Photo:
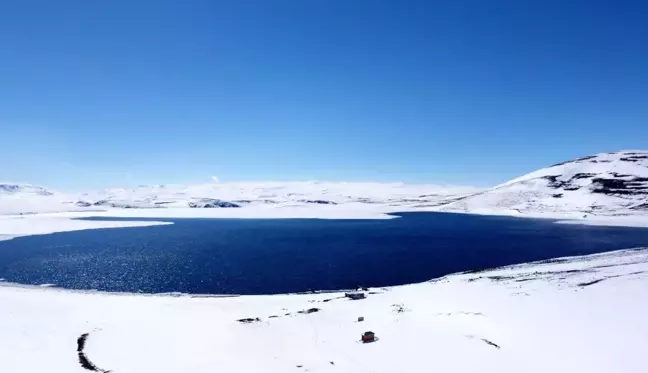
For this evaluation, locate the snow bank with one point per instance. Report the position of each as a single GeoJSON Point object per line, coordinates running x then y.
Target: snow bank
{"type": "Point", "coordinates": [617, 221]}
{"type": "Point", "coordinates": [553, 316]}
{"type": "Point", "coordinates": [28, 225]}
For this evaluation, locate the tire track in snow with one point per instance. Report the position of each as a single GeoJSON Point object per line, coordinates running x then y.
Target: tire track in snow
{"type": "Point", "coordinates": [83, 359]}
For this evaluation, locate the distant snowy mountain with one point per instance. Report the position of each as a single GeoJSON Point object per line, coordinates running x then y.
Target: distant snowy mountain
{"type": "Point", "coordinates": [601, 184]}
{"type": "Point", "coordinates": [13, 189]}
{"type": "Point", "coordinates": [25, 198]}
{"type": "Point", "coordinates": [233, 195]}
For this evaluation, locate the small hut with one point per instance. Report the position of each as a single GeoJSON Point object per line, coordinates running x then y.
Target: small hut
{"type": "Point", "coordinates": [368, 337]}
{"type": "Point", "coordinates": [355, 295]}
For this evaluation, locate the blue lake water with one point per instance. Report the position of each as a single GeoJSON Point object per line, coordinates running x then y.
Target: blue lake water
{"type": "Point", "coordinates": [259, 256]}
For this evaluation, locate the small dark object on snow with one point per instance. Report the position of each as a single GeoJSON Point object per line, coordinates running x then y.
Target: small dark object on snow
{"type": "Point", "coordinates": [273, 317]}
{"type": "Point", "coordinates": [332, 363]}
{"type": "Point", "coordinates": [491, 343]}
{"type": "Point", "coordinates": [583, 284]}
{"type": "Point", "coordinates": [355, 296]}
{"type": "Point", "coordinates": [249, 320]}
{"type": "Point", "coordinates": [399, 308]}
{"type": "Point", "coordinates": [299, 366]}
{"type": "Point", "coordinates": [368, 337]}
{"type": "Point", "coordinates": [361, 319]}
{"type": "Point", "coordinates": [310, 310]}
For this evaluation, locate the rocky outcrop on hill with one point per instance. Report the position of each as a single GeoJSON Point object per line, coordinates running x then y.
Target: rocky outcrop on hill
{"type": "Point", "coordinates": [607, 183]}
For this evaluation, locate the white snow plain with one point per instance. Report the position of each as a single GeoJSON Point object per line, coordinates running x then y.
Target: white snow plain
{"type": "Point", "coordinates": [579, 314]}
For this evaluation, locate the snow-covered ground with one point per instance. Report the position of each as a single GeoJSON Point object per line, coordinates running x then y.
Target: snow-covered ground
{"type": "Point", "coordinates": [580, 314]}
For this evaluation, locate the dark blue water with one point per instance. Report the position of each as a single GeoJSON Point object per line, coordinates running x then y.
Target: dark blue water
{"type": "Point", "coordinates": [239, 256]}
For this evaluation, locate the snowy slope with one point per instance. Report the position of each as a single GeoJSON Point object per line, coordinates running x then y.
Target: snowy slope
{"type": "Point", "coordinates": [580, 314]}
{"type": "Point", "coordinates": [601, 184]}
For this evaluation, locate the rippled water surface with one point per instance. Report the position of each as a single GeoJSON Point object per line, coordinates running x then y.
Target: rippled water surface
{"type": "Point", "coordinates": [262, 256]}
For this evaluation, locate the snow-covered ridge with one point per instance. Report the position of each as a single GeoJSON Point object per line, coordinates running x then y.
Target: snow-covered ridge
{"type": "Point", "coordinates": [551, 316]}
{"type": "Point", "coordinates": [14, 189]}
{"type": "Point", "coordinates": [601, 184]}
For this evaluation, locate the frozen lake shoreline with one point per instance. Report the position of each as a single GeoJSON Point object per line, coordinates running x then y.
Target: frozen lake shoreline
{"type": "Point", "coordinates": [12, 226]}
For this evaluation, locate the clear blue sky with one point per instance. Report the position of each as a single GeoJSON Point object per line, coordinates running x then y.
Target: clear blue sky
{"type": "Point", "coordinates": [108, 93]}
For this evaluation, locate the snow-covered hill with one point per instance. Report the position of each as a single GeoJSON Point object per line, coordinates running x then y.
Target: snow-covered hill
{"type": "Point", "coordinates": [601, 184]}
